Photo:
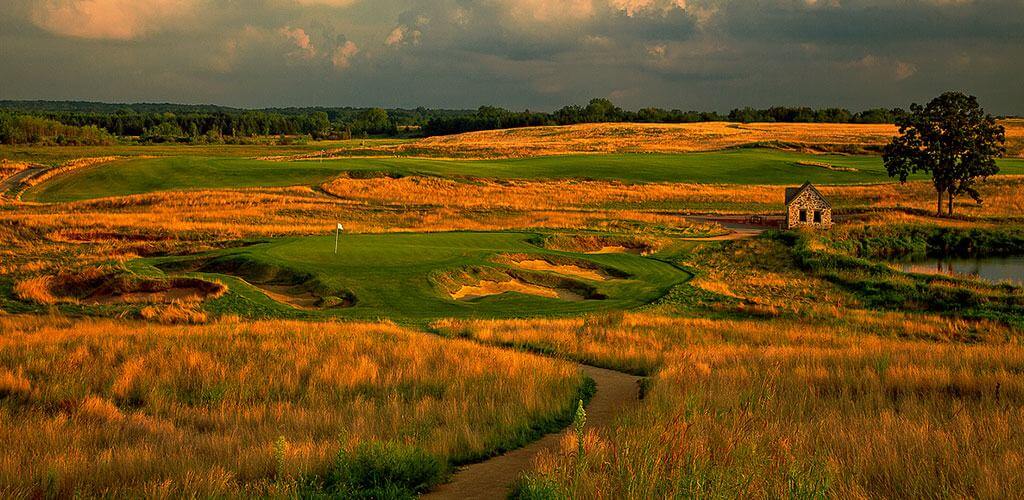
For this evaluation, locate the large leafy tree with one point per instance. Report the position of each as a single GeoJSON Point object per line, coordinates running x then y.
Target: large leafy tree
{"type": "Point", "coordinates": [951, 138]}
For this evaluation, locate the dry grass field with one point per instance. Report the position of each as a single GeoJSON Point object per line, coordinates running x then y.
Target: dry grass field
{"type": "Point", "coordinates": [104, 408]}
{"type": "Point", "coordinates": [784, 409]}
{"type": "Point", "coordinates": [1001, 195]}
{"type": "Point", "coordinates": [773, 372]}
{"type": "Point", "coordinates": [660, 138]}
{"type": "Point", "coordinates": [671, 138]}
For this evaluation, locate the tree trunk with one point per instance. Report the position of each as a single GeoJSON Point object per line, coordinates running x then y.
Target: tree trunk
{"type": "Point", "coordinates": [951, 203]}
{"type": "Point", "coordinates": [938, 211]}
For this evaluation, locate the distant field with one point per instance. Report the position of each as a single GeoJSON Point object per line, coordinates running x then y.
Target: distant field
{"type": "Point", "coordinates": [744, 166]}
{"type": "Point", "coordinates": [50, 155]}
{"type": "Point", "coordinates": [672, 138]}
{"type": "Point", "coordinates": [409, 276]}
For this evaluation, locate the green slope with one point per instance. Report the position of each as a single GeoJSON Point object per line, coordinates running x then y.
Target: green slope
{"type": "Point", "coordinates": [745, 166]}
{"type": "Point", "coordinates": [396, 275]}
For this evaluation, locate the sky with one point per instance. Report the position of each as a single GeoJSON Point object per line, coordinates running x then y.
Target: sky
{"type": "Point", "coordinates": [520, 54]}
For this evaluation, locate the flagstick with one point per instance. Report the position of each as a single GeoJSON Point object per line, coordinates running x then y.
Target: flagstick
{"type": "Point", "coordinates": [337, 232]}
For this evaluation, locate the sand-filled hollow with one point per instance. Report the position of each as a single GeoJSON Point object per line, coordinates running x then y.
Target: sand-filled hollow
{"type": "Point", "coordinates": [486, 288]}
{"type": "Point", "coordinates": [299, 298]}
{"type": "Point", "coordinates": [156, 297]}
{"type": "Point", "coordinates": [566, 269]}
{"type": "Point", "coordinates": [619, 249]}
{"type": "Point", "coordinates": [598, 244]}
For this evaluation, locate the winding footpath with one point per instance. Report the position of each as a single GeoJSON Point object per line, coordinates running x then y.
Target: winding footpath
{"type": "Point", "coordinates": [493, 478]}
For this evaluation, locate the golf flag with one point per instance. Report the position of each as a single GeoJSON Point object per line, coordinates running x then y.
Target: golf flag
{"type": "Point", "coordinates": [337, 233]}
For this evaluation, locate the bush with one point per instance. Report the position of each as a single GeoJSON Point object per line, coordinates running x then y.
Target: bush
{"type": "Point", "coordinates": [536, 488]}
{"type": "Point", "coordinates": [383, 470]}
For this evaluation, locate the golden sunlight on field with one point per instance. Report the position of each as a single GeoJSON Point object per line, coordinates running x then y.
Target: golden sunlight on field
{"type": "Point", "coordinates": [99, 407]}
{"type": "Point", "coordinates": [655, 138]}
{"type": "Point", "coordinates": [856, 408]}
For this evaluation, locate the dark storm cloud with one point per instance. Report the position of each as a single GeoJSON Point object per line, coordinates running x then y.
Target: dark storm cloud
{"type": "Point", "coordinates": [700, 54]}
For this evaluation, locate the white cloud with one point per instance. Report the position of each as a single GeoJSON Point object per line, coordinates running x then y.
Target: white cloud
{"type": "Point", "coordinates": [110, 19]}
{"type": "Point", "coordinates": [300, 38]}
{"type": "Point", "coordinates": [396, 37]}
{"type": "Point", "coordinates": [343, 55]}
{"type": "Point", "coordinates": [328, 3]}
{"type": "Point", "coordinates": [895, 68]}
{"type": "Point", "coordinates": [548, 11]}
{"type": "Point", "coordinates": [635, 7]}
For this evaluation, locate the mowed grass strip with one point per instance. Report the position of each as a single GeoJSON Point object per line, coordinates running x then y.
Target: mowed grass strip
{"type": "Point", "coordinates": [395, 275]}
{"type": "Point", "coordinates": [742, 166]}
{"type": "Point", "coordinates": [147, 175]}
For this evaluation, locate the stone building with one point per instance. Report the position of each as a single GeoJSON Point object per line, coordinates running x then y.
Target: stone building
{"type": "Point", "coordinates": [806, 207]}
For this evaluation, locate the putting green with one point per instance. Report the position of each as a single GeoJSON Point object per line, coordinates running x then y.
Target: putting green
{"type": "Point", "coordinates": [742, 166]}
{"type": "Point", "coordinates": [403, 276]}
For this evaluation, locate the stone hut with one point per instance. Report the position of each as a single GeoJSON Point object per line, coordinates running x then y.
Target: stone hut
{"type": "Point", "coordinates": [806, 207]}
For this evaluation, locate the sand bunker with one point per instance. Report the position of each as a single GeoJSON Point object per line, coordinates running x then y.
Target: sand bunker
{"type": "Point", "coordinates": [302, 299]}
{"type": "Point", "coordinates": [488, 288]}
{"type": "Point", "coordinates": [594, 244]}
{"type": "Point", "coordinates": [187, 293]}
{"type": "Point", "coordinates": [121, 291]}
{"type": "Point", "coordinates": [619, 249]}
{"type": "Point", "coordinates": [566, 269]}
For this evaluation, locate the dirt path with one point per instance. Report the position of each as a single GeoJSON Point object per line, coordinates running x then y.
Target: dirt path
{"type": "Point", "coordinates": [735, 234]}
{"type": "Point", "coordinates": [492, 478]}
{"type": "Point", "coordinates": [737, 230]}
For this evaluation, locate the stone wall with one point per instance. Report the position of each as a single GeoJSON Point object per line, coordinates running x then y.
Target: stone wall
{"type": "Point", "coordinates": [810, 202]}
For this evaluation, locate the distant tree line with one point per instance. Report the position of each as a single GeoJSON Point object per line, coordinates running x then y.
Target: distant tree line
{"type": "Point", "coordinates": [213, 124]}
{"type": "Point", "coordinates": [604, 111]}
{"type": "Point", "coordinates": [219, 124]}
{"type": "Point", "coordinates": [26, 129]}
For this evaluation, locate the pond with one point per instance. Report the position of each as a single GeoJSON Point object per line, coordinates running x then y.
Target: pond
{"type": "Point", "coordinates": [994, 269]}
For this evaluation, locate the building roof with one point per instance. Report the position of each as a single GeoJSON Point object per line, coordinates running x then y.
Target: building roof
{"type": "Point", "coordinates": [794, 193]}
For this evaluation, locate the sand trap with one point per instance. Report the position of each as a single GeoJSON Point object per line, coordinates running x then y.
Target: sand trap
{"type": "Point", "coordinates": [566, 269]}
{"type": "Point", "coordinates": [177, 289]}
{"type": "Point", "coordinates": [488, 288]}
{"type": "Point", "coordinates": [287, 294]}
{"type": "Point", "coordinates": [186, 293]}
{"type": "Point", "coordinates": [619, 249]}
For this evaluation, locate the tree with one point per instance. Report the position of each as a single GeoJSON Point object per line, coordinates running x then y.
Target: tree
{"type": "Point", "coordinates": [318, 125]}
{"type": "Point", "coordinates": [951, 138]}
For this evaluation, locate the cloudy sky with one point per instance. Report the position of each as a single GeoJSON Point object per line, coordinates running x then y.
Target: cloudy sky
{"type": "Point", "coordinates": [536, 54]}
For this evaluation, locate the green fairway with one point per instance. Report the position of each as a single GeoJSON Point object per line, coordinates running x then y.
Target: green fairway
{"type": "Point", "coordinates": [401, 276]}
{"type": "Point", "coordinates": [147, 175]}
{"type": "Point", "coordinates": [744, 166]}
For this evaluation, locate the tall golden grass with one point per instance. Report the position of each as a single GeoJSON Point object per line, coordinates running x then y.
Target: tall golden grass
{"type": "Point", "coordinates": [107, 408]}
{"type": "Point", "coordinates": [861, 406]}
{"type": "Point", "coordinates": [1000, 195]}
{"type": "Point", "coordinates": [644, 137]}
{"type": "Point", "coordinates": [9, 168]}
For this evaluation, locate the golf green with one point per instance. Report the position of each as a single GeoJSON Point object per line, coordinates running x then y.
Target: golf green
{"type": "Point", "coordinates": [403, 276]}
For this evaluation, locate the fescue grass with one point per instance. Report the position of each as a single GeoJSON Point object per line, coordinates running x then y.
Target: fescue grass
{"type": "Point", "coordinates": [857, 406]}
{"type": "Point", "coordinates": [105, 408]}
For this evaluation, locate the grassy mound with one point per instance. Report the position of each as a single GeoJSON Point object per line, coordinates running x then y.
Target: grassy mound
{"type": "Point", "coordinates": [302, 290]}
{"type": "Point", "coordinates": [409, 276]}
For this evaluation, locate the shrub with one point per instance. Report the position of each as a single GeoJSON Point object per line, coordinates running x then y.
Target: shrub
{"type": "Point", "coordinates": [383, 470]}
{"type": "Point", "coordinates": [532, 487]}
